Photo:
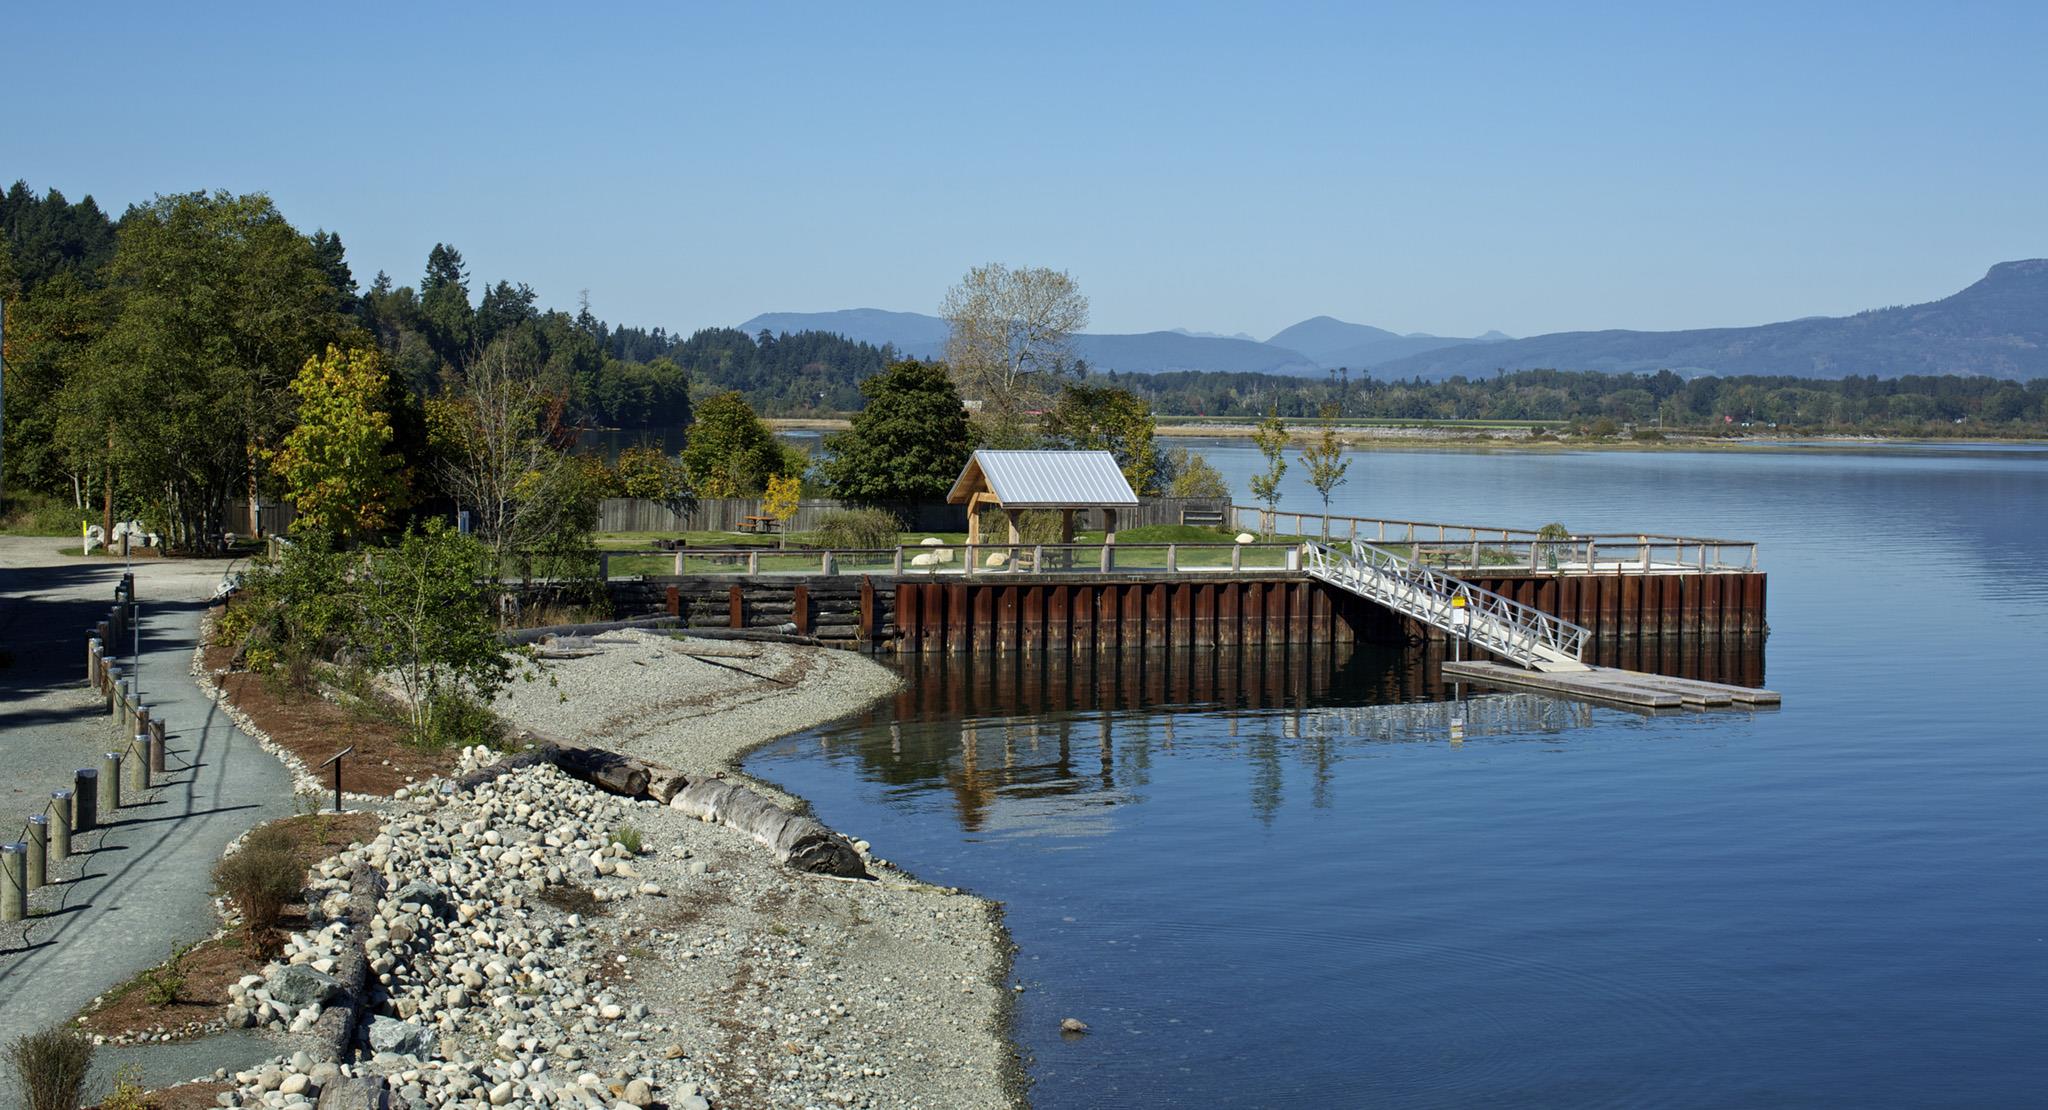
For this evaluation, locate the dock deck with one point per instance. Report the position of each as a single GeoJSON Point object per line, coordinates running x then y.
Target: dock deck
{"type": "Point", "coordinates": [1615, 686]}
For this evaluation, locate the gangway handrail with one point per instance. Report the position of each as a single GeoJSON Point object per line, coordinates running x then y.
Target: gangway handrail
{"type": "Point", "coordinates": [1521, 633]}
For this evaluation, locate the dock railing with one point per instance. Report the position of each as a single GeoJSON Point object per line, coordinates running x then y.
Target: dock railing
{"type": "Point", "coordinates": [959, 560]}
{"type": "Point", "coordinates": [1472, 547]}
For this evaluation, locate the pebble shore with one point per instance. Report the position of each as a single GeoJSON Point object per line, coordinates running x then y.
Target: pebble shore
{"type": "Point", "coordinates": [523, 956]}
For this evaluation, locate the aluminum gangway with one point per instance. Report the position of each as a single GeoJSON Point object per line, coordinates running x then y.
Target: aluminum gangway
{"type": "Point", "coordinates": [1507, 628]}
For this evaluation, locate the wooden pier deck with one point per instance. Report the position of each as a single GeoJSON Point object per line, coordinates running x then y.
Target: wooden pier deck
{"type": "Point", "coordinates": [1609, 684]}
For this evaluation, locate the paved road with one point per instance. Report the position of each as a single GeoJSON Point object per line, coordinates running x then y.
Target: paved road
{"type": "Point", "coordinates": [142, 885]}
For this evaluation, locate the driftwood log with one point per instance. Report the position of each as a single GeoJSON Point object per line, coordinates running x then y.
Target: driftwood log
{"type": "Point", "coordinates": [797, 841]}
{"type": "Point", "coordinates": [334, 1032]}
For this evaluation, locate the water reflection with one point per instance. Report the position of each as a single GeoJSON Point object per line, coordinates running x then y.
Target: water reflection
{"type": "Point", "coordinates": [1048, 744]}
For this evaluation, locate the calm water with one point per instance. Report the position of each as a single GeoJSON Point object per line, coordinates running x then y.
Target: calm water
{"type": "Point", "coordinates": [1277, 880]}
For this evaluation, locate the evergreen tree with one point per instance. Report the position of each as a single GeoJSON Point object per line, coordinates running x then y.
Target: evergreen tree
{"type": "Point", "coordinates": [909, 442]}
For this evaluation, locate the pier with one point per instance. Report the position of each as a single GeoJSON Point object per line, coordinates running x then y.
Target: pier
{"type": "Point", "coordinates": [1659, 595]}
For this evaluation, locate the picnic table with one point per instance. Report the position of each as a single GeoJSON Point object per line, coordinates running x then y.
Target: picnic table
{"type": "Point", "coordinates": [758, 524]}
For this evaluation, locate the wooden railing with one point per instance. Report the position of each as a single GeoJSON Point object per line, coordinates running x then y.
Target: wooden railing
{"type": "Point", "coordinates": [1479, 547]}
{"type": "Point", "coordinates": [962, 559]}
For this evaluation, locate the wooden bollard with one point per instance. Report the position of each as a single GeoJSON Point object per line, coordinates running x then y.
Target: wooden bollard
{"type": "Point", "coordinates": [139, 777]}
{"type": "Point", "coordinates": [110, 785]}
{"type": "Point", "coordinates": [38, 850]}
{"type": "Point", "coordinates": [85, 792]}
{"type": "Point", "coordinates": [92, 661]}
{"type": "Point", "coordinates": [60, 824]}
{"type": "Point", "coordinates": [13, 881]}
{"type": "Point", "coordinates": [155, 729]}
{"type": "Point", "coordinates": [113, 690]}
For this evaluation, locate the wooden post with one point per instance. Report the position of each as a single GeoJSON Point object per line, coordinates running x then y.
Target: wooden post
{"type": "Point", "coordinates": [679, 562]}
{"type": "Point", "coordinates": [60, 823]}
{"type": "Point", "coordinates": [85, 793]}
{"type": "Point", "coordinates": [672, 599]}
{"type": "Point", "coordinates": [604, 566]}
{"type": "Point", "coordinates": [753, 562]}
{"type": "Point", "coordinates": [867, 623]}
{"type": "Point", "coordinates": [735, 599]}
{"type": "Point", "coordinates": [907, 623]}
{"type": "Point", "coordinates": [896, 567]}
{"type": "Point", "coordinates": [38, 851]}
{"type": "Point", "coordinates": [1172, 558]}
{"type": "Point", "coordinates": [110, 784]}
{"type": "Point", "coordinates": [800, 608]}
{"type": "Point", "coordinates": [13, 881]}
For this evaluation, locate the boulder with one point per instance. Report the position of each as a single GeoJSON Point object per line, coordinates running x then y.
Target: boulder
{"type": "Point", "coordinates": [298, 985]}
{"type": "Point", "coordinates": [400, 1038]}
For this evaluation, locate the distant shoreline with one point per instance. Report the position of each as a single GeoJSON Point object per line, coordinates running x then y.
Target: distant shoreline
{"type": "Point", "coordinates": [1418, 437]}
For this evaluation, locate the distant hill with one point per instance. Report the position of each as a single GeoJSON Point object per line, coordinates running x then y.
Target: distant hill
{"type": "Point", "coordinates": [1997, 327]}
{"type": "Point", "coordinates": [912, 333]}
{"type": "Point", "coordinates": [1155, 351]}
{"type": "Point", "coordinates": [921, 336]}
{"type": "Point", "coordinates": [1333, 342]}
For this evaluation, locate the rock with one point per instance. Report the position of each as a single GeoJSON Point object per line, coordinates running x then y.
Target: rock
{"type": "Point", "coordinates": [501, 1094]}
{"type": "Point", "coordinates": [294, 1084]}
{"type": "Point", "coordinates": [358, 1093]}
{"type": "Point", "coordinates": [429, 895]}
{"type": "Point", "coordinates": [1073, 1025]}
{"type": "Point", "coordinates": [402, 1038]}
{"type": "Point", "coordinates": [640, 1092]}
{"type": "Point", "coordinates": [299, 985]}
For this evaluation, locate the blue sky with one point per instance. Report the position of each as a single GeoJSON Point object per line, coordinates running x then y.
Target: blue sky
{"type": "Point", "coordinates": [1443, 168]}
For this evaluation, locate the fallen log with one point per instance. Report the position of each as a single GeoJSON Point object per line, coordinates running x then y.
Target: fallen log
{"type": "Point", "coordinates": [616, 773]}
{"type": "Point", "coordinates": [796, 840]}
{"type": "Point", "coordinates": [334, 1031]}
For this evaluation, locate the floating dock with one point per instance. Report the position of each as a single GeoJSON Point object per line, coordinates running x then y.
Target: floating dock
{"type": "Point", "coordinates": [1614, 686]}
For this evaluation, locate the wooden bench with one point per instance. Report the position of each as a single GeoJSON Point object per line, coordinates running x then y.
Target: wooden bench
{"type": "Point", "coordinates": [1202, 518]}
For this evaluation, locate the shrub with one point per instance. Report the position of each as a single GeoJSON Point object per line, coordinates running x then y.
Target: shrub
{"type": "Point", "coordinates": [455, 719]}
{"type": "Point", "coordinates": [51, 1068]}
{"type": "Point", "coordinates": [261, 880]}
{"type": "Point", "coordinates": [129, 1093]}
{"type": "Point", "coordinates": [161, 985]}
{"type": "Point", "coordinates": [1033, 526]}
{"type": "Point", "coordinates": [858, 529]}
{"type": "Point", "coordinates": [628, 838]}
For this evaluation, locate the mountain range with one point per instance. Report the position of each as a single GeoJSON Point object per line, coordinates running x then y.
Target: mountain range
{"type": "Point", "coordinates": [1997, 326]}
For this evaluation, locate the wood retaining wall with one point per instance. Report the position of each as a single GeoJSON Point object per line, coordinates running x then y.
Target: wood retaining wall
{"type": "Point", "coordinates": [1001, 614]}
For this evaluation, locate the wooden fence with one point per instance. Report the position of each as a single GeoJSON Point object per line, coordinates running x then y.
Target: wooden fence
{"type": "Point", "coordinates": [725, 514]}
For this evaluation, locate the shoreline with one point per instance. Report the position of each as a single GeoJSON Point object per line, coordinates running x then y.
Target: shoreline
{"type": "Point", "coordinates": [1425, 437]}
{"type": "Point", "coordinates": [740, 697]}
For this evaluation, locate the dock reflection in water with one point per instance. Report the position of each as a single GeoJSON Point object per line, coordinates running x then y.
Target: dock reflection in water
{"type": "Point", "coordinates": [1051, 736]}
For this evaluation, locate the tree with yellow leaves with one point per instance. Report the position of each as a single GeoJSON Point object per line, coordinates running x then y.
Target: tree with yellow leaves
{"type": "Point", "coordinates": [337, 465]}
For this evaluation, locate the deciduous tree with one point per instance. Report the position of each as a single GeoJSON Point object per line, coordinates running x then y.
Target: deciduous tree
{"type": "Point", "coordinates": [1193, 476]}
{"type": "Point", "coordinates": [1270, 437]}
{"type": "Point", "coordinates": [338, 465]}
{"type": "Point", "coordinates": [1325, 462]}
{"type": "Point", "coordinates": [729, 452]}
{"type": "Point", "coordinates": [220, 303]}
{"type": "Point", "coordinates": [1011, 341]}
{"type": "Point", "coordinates": [1104, 418]}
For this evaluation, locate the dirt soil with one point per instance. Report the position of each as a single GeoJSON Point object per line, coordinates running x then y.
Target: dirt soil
{"type": "Point", "coordinates": [210, 967]}
{"type": "Point", "coordinates": [313, 729]}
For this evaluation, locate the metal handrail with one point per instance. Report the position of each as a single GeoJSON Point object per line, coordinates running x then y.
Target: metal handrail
{"type": "Point", "coordinates": [1345, 528]}
{"type": "Point", "coordinates": [1525, 634]}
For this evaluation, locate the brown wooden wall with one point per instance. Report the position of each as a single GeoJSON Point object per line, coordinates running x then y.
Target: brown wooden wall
{"type": "Point", "coordinates": [999, 614]}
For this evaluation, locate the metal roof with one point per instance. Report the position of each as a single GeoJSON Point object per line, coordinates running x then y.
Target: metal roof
{"type": "Point", "coordinates": [1045, 479]}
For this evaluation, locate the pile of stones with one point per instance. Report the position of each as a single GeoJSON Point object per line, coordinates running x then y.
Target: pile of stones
{"type": "Point", "coordinates": [481, 993]}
